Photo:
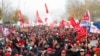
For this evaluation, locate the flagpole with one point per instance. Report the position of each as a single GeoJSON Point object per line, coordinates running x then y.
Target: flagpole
{"type": "Point", "coordinates": [87, 34]}
{"type": "Point", "coordinates": [46, 17]}
{"type": "Point", "coordinates": [87, 37]}
{"type": "Point", "coordinates": [87, 42]}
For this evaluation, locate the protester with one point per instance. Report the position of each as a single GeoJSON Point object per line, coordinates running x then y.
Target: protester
{"type": "Point", "coordinates": [63, 53]}
{"type": "Point", "coordinates": [43, 41]}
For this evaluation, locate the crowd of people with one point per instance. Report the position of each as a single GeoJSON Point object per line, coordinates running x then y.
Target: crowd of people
{"type": "Point", "coordinates": [43, 41]}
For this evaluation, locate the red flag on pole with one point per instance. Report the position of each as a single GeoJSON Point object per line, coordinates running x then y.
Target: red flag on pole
{"type": "Point", "coordinates": [39, 20]}
{"type": "Point", "coordinates": [86, 16]}
{"type": "Point", "coordinates": [72, 21]}
{"type": "Point", "coordinates": [21, 18]}
{"type": "Point", "coordinates": [46, 8]}
{"type": "Point", "coordinates": [64, 23]}
{"type": "Point", "coordinates": [82, 32]}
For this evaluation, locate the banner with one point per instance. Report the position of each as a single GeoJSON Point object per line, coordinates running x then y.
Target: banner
{"type": "Point", "coordinates": [94, 29]}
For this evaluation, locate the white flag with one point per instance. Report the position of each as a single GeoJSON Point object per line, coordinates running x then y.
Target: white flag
{"type": "Point", "coordinates": [6, 32]}
{"type": "Point", "coordinates": [94, 29]}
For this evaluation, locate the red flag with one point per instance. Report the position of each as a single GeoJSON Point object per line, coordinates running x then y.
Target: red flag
{"type": "Point", "coordinates": [62, 22]}
{"type": "Point", "coordinates": [39, 20]}
{"type": "Point", "coordinates": [72, 21]}
{"type": "Point", "coordinates": [81, 33]}
{"type": "Point", "coordinates": [21, 18]}
{"type": "Point", "coordinates": [66, 23]}
{"type": "Point", "coordinates": [46, 8]}
{"type": "Point", "coordinates": [86, 16]}
{"type": "Point", "coordinates": [74, 24]}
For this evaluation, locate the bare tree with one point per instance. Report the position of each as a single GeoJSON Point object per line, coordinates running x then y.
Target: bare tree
{"type": "Point", "coordinates": [77, 9]}
{"type": "Point", "coordinates": [0, 9]}
{"type": "Point", "coordinates": [0, 13]}
{"type": "Point", "coordinates": [7, 11]}
{"type": "Point", "coordinates": [15, 17]}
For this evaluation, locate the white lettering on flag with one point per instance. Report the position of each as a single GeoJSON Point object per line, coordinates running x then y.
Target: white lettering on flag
{"type": "Point", "coordinates": [94, 29]}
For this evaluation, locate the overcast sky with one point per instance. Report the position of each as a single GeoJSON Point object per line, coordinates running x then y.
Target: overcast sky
{"type": "Point", "coordinates": [28, 7]}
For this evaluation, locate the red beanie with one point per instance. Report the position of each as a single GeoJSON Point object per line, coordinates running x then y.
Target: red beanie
{"type": "Point", "coordinates": [7, 54]}
{"type": "Point", "coordinates": [16, 55]}
{"type": "Point", "coordinates": [63, 51]}
{"type": "Point", "coordinates": [49, 49]}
